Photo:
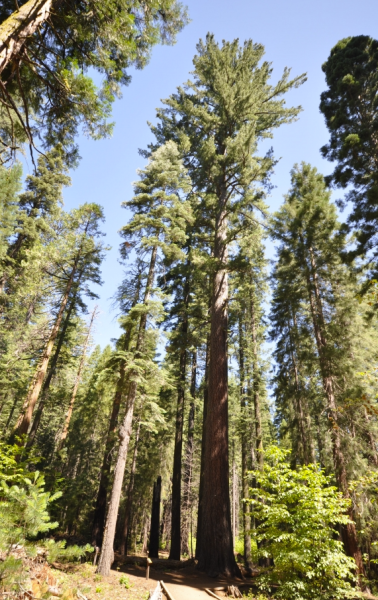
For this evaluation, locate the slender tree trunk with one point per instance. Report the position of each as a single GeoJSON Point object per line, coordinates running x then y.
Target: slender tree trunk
{"type": "Point", "coordinates": [234, 498]}
{"type": "Point", "coordinates": [165, 530]}
{"type": "Point", "coordinates": [349, 531]}
{"type": "Point", "coordinates": [216, 551]}
{"type": "Point", "coordinates": [177, 456]}
{"type": "Point", "coordinates": [100, 507]}
{"type": "Point", "coordinates": [24, 420]}
{"type": "Point", "coordinates": [22, 24]}
{"type": "Point", "coordinates": [175, 550]}
{"type": "Point", "coordinates": [76, 386]}
{"type": "Point", "coordinates": [129, 496]}
{"type": "Point", "coordinates": [47, 381]}
{"type": "Point", "coordinates": [155, 520]}
{"type": "Point", "coordinates": [145, 536]}
{"type": "Point", "coordinates": [107, 552]}
{"type": "Point", "coordinates": [202, 473]}
{"type": "Point", "coordinates": [307, 448]}
{"type": "Point", "coordinates": [244, 449]}
{"type": "Point", "coordinates": [11, 413]}
{"type": "Point", "coordinates": [256, 387]}
{"type": "Point", "coordinates": [188, 469]}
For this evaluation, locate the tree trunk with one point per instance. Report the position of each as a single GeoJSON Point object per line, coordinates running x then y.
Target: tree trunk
{"type": "Point", "coordinates": [46, 383]}
{"type": "Point", "coordinates": [188, 469]}
{"type": "Point", "coordinates": [24, 420]}
{"type": "Point", "coordinates": [244, 406]}
{"type": "Point", "coordinates": [129, 496]}
{"type": "Point", "coordinates": [216, 550]}
{"type": "Point", "coordinates": [107, 551]}
{"type": "Point", "coordinates": [256, 387]}
{"type": "Point", "coordinates": [307, 448]}
{"type": "Point", "coordinates": [155, 520]}
{"type": "Point", "coordinates": [175, 550]}
{"type": "Point", "coordinates": [349, 531]}
{"type": "Point", "coordinates": [21, 24]}
{"type": "Point", "coordinates": [203, 441]}
{"type": "Point", "coordinates": [76, 386]}
{"type": "Point", "coordinates": [165, 529]}
{"type": "Point", "coordinates": [100, 508]}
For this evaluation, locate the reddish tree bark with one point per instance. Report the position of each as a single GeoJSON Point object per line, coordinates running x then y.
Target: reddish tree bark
{"type": "Point", "coordinates": [215, 554]}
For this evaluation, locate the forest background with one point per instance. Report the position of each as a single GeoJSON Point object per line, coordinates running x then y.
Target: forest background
{"type": "Point", "coordinates": [78, 410]}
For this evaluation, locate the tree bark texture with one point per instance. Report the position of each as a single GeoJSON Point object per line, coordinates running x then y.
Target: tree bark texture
{"type": "Point", "coordinates": [21, 24]}
{"type": "Point", "coordinates": [107, 551]}
{"type": "Point", "coordinates": [155, 520]}
{"type": "Point", "coordinates": [216, 550]}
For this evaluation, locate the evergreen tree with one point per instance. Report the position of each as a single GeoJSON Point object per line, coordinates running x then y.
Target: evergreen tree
{"type": "Point", "coordinates": [350, 109]}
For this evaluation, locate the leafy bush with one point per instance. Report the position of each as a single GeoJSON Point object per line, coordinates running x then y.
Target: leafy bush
{"type": "Point", "coordinates": [297, 511]}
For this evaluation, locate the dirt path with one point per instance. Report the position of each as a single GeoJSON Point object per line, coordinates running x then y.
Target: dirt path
{"type": "Point", "coordinates": [183, 584]}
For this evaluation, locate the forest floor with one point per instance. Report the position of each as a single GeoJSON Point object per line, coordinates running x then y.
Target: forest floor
{"type": "Point", "coordinates": [128, 582]}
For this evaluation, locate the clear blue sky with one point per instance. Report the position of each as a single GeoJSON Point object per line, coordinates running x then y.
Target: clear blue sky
{"type": "Point", "coordinates": [296, 33]}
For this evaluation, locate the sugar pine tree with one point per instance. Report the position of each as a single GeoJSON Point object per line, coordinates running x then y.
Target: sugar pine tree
{"type": "Point", "coordinates": [350, 108]}
{"type": "Point", "coordinates": [220, 117]}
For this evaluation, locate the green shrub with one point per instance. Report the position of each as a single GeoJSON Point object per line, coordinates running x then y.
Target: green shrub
{"type": "Point", "coordinates": [24, 515]}
{"type": "Point", "coordinates": [297, 511]}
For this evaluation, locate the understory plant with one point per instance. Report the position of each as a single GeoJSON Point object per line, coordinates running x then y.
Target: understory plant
{"type": "Point", "coordinates": [24, 518]}
{"type": "Point", "coordinates": [298, 512]}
